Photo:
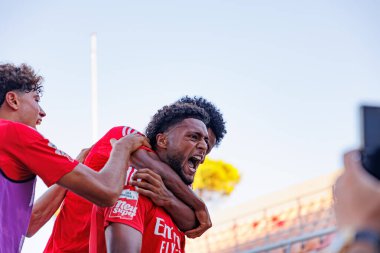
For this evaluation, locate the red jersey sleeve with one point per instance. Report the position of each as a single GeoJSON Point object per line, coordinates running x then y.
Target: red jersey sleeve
{"type": "Point", "coordinates": [36, 154]}
{"type": "Point", "coordinates": [130, 209]}
{"type": "Point", "coordinates": [101, 151]}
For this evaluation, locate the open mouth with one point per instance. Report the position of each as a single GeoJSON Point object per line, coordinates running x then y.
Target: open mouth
{"type": "Point", "coordinates": [194, 162]}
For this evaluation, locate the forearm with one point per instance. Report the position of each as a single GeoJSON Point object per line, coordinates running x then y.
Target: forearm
{"type": "Point", "coordinates": [45, 207]}
{"type": "Point", "coordinates": [182, 215]}
{"type": "Point", "coordinates": [110, 180]}
{"type": "Point", "coordinates": [113, 173]}
{"type": "Point", "coordinates": [102, 188]}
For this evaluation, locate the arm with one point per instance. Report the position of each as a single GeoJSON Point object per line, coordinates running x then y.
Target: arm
{"type": "Point", "coordinates": [45, 207]}
{"type": "Point", "coordinates": [121, 238]}
{"type": "Point", "coordinates": [151, 186]}
{"type": "Point", "coordinates": [144, 159]}
{"type": "Point", "coordinates": [103, 188]}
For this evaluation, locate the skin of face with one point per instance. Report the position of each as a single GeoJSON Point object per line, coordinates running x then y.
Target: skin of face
{"type": "Point", "coordinates": [29, 110]}
{"type": "Point", "coordinates": [211, 140]}
{"type": "Point", "coordinates": [186, 147]}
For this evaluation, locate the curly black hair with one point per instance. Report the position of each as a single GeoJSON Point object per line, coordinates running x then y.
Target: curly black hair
{"type": "Point", "coordinates": [217, 123]}
{"type": "Point", "coordinates": [170, 115]}
{"type": "Point", "coordinates": [21, 78]}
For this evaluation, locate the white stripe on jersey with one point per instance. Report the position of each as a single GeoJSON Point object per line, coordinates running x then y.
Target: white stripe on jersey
{"type": "Point", "coordinates": [130, 172]}
{"type": "Point", "coordinates": [128, 130]}
{"type": "Point", "coordinates": [124, 130]}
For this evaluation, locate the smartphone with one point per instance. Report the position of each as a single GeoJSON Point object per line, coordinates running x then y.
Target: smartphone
{"type": "Point", "coordinates": [371, 139]}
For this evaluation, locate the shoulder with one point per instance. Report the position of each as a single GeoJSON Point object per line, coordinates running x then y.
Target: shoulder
{"type": "Point", "coordinates": [19, 131]}
{"type": "Point", "coordinates": [121, 131]}
{"type": "Point", "coordinates": [117, 133]}
{"type": "Point", "coordinates": [114, 133]}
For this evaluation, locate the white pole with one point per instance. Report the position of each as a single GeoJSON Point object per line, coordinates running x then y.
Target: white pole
{"type": "Point", "coordinates": [94, 89]}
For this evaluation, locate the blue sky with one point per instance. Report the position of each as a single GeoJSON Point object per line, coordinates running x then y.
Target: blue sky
{"type": "Point", "coordinates": [287, 75]}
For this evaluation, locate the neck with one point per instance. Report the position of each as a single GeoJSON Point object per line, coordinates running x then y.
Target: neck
{"type": "Point", "coordinates": [4, 114]}
{"type": "Point", "coordinates": [162, 156]}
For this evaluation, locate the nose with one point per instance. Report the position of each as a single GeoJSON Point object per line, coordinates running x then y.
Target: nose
{"type": "Point", "coordinates": [42, 113]}
{"type": "Point", "coordinates": [203, 145]}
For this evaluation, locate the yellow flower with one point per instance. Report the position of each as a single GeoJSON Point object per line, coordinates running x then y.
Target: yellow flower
{"type": "Point", "coordinates": [216, 175]}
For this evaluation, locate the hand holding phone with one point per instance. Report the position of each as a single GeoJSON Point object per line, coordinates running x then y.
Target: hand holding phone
{"type": "Point", "coordinates": [371, 140]}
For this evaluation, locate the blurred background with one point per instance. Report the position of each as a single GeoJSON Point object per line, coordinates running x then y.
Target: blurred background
{"type": "Point", "coordinates": [288, 77]}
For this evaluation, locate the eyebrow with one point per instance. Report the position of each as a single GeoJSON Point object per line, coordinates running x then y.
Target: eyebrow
{"type": "Point", "coordinates": [199, 134]}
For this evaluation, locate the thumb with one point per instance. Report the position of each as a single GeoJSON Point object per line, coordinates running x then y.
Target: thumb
{"type": "Point", "coordinates": [352, 161]}
{"type": "Point", "coordinates": [112, 141]}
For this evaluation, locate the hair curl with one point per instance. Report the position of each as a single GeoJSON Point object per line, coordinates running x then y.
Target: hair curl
{"type": "Point", "coordinates": [217, 123]}
{"type": "Point", "coordinates": [169, 116]}
{"type": "Point", "coordinates": [21, 78]}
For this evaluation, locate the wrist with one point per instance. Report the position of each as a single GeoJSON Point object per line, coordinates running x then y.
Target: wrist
{"type": "Point", "coordinates": [199, 205]}
{"type": "Point", "coordinates": [121, 147]}
{"type": "Point", "coordinates": [170, 203]}
{"type": "Point", "coordinates": [361, 240]}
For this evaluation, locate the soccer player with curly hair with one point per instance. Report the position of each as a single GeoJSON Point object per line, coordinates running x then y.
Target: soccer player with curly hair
{"type": "Point", "coordinates": [145, 217]}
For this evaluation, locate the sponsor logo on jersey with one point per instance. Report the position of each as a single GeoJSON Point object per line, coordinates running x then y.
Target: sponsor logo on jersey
{"type": "Point", "coordinates": [126, 207]}
{"type": "Point", "coordinates": [171, 241]}
{"type": "Point", "coordinates": [60, 152]}
{"type": "Point", "coordinates": [128, 194]}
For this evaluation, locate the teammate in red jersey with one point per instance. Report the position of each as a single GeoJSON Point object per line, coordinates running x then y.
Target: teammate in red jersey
{"type": "Point", "coordinates": [25, 153]}
{"type": "Point", "coordinates": [138, 223]}
{"type": "Point", "coordinates": [71, 230]}
{"type": "Point", "coordinates": [72, 226]}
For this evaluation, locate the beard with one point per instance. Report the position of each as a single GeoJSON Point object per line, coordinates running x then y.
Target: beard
{"type": "Point", "coordinates": [175, 162]}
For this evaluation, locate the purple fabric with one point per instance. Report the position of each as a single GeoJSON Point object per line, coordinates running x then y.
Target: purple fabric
{"type": "Point", "coordinates": [16, 201]}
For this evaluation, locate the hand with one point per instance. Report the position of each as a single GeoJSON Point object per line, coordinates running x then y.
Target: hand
{"type": "Point", "coordinates": [204, 222]}
{"type": "Point", "coordinates": [131, 141]}
{"type": "Point", "coordinates": [83, 154]}
{"type": "Point", "coordinates": [151, 185]}
{"type": "Point", "coordinates": [357, 196]}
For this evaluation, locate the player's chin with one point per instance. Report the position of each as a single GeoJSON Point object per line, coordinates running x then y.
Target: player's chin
{"type": "Point", "coordinates": [189, 179]}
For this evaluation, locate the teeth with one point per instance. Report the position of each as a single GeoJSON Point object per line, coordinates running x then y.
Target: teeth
{"type": "Point", "coordinates": [198, 157]}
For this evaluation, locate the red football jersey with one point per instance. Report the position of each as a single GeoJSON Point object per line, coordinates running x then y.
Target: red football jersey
{"type": "Point", "coordinates": [159, 232]}
{"type": "Point", "coordinates": [72, 226]}
{"type": "Point", "coordinates": [24, 153]}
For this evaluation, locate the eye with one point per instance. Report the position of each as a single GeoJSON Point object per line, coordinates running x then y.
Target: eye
{"type": "Point", "coordinates": [194, 137]}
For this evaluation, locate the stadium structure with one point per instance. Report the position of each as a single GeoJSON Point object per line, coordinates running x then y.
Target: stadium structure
{"type": "Point", "coordinates": [299, 219]}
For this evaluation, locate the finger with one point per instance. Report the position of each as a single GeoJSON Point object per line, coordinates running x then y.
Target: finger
{"type": "Point", "coordinates": [146, 193]}
{"type": "Point", "coordinates": [148, 178]}
{"type": "Point", "coordinates": [83, 154]}
{"type": "Point", "coordinates": [113, 141]}
{"type": "Point", "coordinates": [147, 171]}
{"type": "Point", "coordinates": [194, 233]}
{"type": "Point", "coordinates": [146, 143]}
{"type": "Point", "coordinates": [355, 170]}
{"type": "Point", "coordinates": [352, 160]}
{"type": "Point", "coordinates": [146, 186]}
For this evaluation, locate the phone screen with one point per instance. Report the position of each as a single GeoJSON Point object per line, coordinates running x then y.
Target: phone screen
{"type": "Point", "coordinates": [371, 139]}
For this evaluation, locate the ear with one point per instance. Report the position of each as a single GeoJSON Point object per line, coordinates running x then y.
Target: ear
{"type": "Point", "coordinates": [162, 140]}
{"type": "Point", "coordinates": [12, 100]}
